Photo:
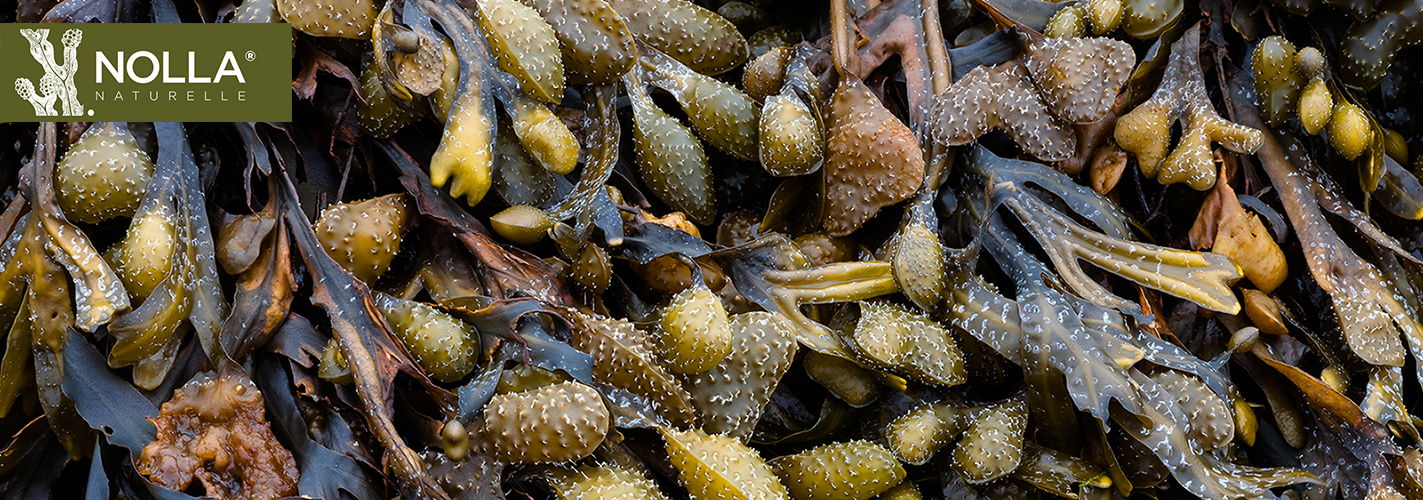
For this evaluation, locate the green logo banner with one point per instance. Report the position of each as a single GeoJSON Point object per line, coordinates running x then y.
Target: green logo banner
{"type": "Point", "coordinates": [145, 72]}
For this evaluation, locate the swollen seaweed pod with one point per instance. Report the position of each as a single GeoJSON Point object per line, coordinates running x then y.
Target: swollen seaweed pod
{"type": "Point", "coordinates": [256, 11]}
{"type": "Point", "coordinates": [699, 38]}
{"type": "Point", "coordinates": [1277, 82]}
{"type": "Point", "coordinates": [1243, 237]}
{"type": "Point", "coordinates": [731, 395]}
{"type": "Point", "coordinates": [145, 255]}
{"type": "Point", "coordinates": [454, 440]}
{"type": "Point", "coordinates": [333, 365]}
{"type": "Point", "coordinates": [521, 224]}
{"type": "Point", "coordinates": [525, 47]}
{"type": "Point", "coordinates": [1145, 19]}
{"type": "Point", "coordinates": [334, 18]}
{"type": "Point", "coordinates": [364, 236]}
{"type": "Point", "coordinates": [790, 136]}
{"type": "Point", "coordinates": [1104, 15]}
{"type": "Point", "coordinates": [1316, 105]}
{"type": "Point", "coordinates": [671, 160]}
{"type": "Point", "coordinates": [543, 135]}
{"type": "Point", "coordinates": [554, 423]}
{"type": "Point", "coordinates": [762, 76]}
{"type": "Point", "coordinates": [992, 446]}
{"type": "Point", "coordinates": [1310, 63]}
{"type": "Point", "coordinates": [1079, 79]}
{"type": "Point", "coordinates": [720, 113]}
{"type": "Point", "coordinates": [1395, 145]}
{"type": "Point", "coordinates": [695, 332]}
{"type": "Point", "coordinates": [445, 347]}
{"type": "Point", "coordinates": [604, 482]}
{"type": "Point", "coordinates": [1146, 130]}
{"type": "Point", "coordinates": [850, 382]}
{"type": "Point", "coordinates": [103, 175]}
{"type": "Point", "coordinates": [876, 337]}
{"type": "Point", "coordinates": [1264, 312]}
{"type": "Point", "coordinates": [1349, 130]}
{"type": "Point", "coordinates": [919, 265]}
{"type": "Point", "coordinates": [1070, 22]}
{"type": "Point", "coordinates": [597, 46]}
{"type": "Point", "coordinates": [590, 269]}
{"type": "Point", "coordinates": [916, 436]}
{"type": "Point", "coordinates": [852, 470]}
{"type": "Point", "coordinates": [911, 343]}
{"type": "Point", "coordinates": [714, 467]}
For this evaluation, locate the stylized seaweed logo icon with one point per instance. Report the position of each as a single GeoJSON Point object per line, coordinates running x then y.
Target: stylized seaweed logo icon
{"type": "Point", "coordinates": [58, 81]}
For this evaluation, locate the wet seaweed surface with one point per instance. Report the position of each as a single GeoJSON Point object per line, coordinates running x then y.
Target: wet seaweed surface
{"type": "Point", "coordinates": [662, 249]}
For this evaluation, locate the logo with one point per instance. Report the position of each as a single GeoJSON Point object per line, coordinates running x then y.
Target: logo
{"type": "Point", "coordinates": [146, 72]}
{"type": "Point", "coordinates": [57, 84]}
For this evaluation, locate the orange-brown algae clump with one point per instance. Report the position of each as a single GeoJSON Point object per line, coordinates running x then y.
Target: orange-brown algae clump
{"type": "Point", "coordinates": [872, 159]}
{"type": "Point", "coordinates": [215, 429]}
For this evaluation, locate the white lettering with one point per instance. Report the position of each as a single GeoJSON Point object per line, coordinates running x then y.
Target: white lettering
{"type": "Point", "coordinates": [222, 70]}
{"type": "Point", "coordinates": [192, 66]}
{"type": "Point", "coordinates": [152, 59]}
{"type": "Point", "coordinates": [101, 61]}
{"type": "Point", "coordinates": [166, 78]}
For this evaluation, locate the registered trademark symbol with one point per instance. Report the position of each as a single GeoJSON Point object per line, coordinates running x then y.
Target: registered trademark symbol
{"type": "Point", "coordinates": [91, 112]}
{"type": "Point", "coordinates": [251, 55]}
